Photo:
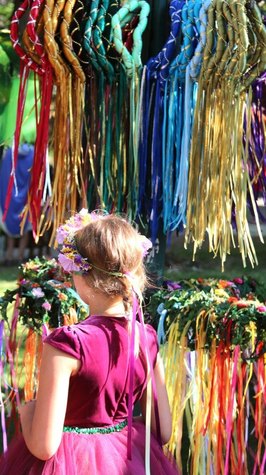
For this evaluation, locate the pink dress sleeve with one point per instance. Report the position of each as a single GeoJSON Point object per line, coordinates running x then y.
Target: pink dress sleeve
{"type": "Point", "coordinates": [65, 339]}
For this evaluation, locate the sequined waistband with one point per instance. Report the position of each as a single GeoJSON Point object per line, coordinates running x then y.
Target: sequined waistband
{"type": "Point", "coordinates": [96, 430]}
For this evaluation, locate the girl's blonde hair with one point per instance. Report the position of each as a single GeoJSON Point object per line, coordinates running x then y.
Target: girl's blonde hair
{"type": "Point", "coordinates": [112, 244]}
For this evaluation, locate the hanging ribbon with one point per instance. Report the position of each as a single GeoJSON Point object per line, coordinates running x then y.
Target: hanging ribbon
{"type": "Point", "coordinates": [154, 87]}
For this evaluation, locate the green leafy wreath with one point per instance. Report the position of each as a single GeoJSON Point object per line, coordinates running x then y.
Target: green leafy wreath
{"type": "Point", "coordinates": [230, 311]}
{"type": "Point", "coordinates": [44, 295]}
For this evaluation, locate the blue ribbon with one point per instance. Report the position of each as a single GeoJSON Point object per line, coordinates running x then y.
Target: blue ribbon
{"type": "Point", "coordinates": [153, 91]}
{"type": "Point", "coordinates": [160, 330]}
{"type": "Point", "coordinates": [179, 106]}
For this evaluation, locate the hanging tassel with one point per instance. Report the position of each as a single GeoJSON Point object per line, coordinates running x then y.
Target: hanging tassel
{"type": "Point", "coordinates": [29, 362]}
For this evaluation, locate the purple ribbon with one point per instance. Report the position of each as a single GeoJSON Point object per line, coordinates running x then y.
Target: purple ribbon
{"type": "Point", "coordinates": [3, 420]}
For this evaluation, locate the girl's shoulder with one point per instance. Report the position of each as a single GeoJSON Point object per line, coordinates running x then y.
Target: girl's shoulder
{"type": "Point", "coordinates": [151, 332]}
{"type": "Point", "coordinates": [65, 339]}
{"type": "Point", "coordinates": [71, 339]}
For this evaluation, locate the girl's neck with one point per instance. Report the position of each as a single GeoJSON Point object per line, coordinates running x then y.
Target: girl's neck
{"type": "Point", "coordinates": [109, 307]}
{"type": "Point", "coordinates": [99, 302]}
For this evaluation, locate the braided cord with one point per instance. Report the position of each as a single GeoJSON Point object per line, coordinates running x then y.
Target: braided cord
{"type": "Point", "coordinates": [34, 20]}
{"type": "Point", "coordinates": [223, 48]}
{"type": "Point", "coordinates": [98, 42]}
{"type": "Point", "coordinates": [188, 44]}
{"type": "Point", "coordinates": [134, 60]}
{"type": "Point", "coordinates": [257, 63]}
{"type": "Point", "coordinates": [14, 36]}
{"type": "Point", "coordinates": [220, 37]}
{"type": "Point", "coordinates": [88, 35]}
{"type": "Point", "coordinates": [111, 52]}
{"type": "Point", "coordinates": [77, 29]}
{"type": "Point", "coordinates": [67, 42]}
{"type": "Point", "coordinates": [196, 60]}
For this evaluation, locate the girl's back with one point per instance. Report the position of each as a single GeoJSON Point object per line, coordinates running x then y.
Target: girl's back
{"type": "Point", "coordinates": [98, 392]}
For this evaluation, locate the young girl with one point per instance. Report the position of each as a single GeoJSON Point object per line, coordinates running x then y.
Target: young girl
{"type": "Point", "coordinates": [92, 373]}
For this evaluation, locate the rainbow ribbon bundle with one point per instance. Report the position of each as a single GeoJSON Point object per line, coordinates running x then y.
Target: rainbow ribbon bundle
{"type": "Point", "coordinates": [176, 143]}
{"type": "Point", "coordinates": [214, 352]}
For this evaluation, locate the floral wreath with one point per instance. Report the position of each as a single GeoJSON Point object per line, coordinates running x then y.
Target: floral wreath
{"type": "Point", "coordinates": [231, 311]}
{"type": "Point", "coordinates": [43, 295]}
{"type": "Point", "coordinates": [69, 257]}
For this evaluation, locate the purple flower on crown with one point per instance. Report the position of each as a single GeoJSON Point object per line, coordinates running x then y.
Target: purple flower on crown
{"type": "Point", "coordinates": [61, 235]}
{"type": "Point", "coordinates": [82, 262]}
{"type": "Point", "coordinates": [67, 263]}
{"type": "Point", "coordinates": [69, 258]}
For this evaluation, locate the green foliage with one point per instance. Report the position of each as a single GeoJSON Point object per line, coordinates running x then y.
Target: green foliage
{"type": "Point", "coordinates": [45, 296]}
{"type": "Point", "coordinates": [6, 11]}
{"type": "Point", "coordinates": [228, 311]}
{"type": "Point", "coordinates": [9, 65]}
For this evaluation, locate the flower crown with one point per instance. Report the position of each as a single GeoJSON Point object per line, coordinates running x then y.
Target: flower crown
{"type": "Point", "coordinates": [69, 257]}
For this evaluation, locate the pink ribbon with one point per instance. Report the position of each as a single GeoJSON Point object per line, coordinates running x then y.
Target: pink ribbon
{"type": "Point", "coordinates": [136, 309]}
{"type": "Point", "coordinates": [3, 420]}
{"type": "Point", "coordinates": [131, 378]}
{"type": "Point", "coordinates": [229, 418]}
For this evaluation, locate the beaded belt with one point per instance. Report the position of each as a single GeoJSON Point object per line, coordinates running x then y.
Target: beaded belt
{"type": "Point", "coordinates": [96, 430]}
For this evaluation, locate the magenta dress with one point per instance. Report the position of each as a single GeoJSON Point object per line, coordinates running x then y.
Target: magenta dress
{"type": "Point", "coordinates": [98, 399]}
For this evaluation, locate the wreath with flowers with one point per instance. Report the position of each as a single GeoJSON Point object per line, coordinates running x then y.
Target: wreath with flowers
{"type": "Point", "coordinates": [69, 257]}
{"type": "Point", "coordinates": [233, 312]}
{"type": "Point", "coordinates": [44, 295]}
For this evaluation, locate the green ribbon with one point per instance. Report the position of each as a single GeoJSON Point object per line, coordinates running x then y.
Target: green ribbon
{"type": "Point", "coordinates": [95, 430]}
